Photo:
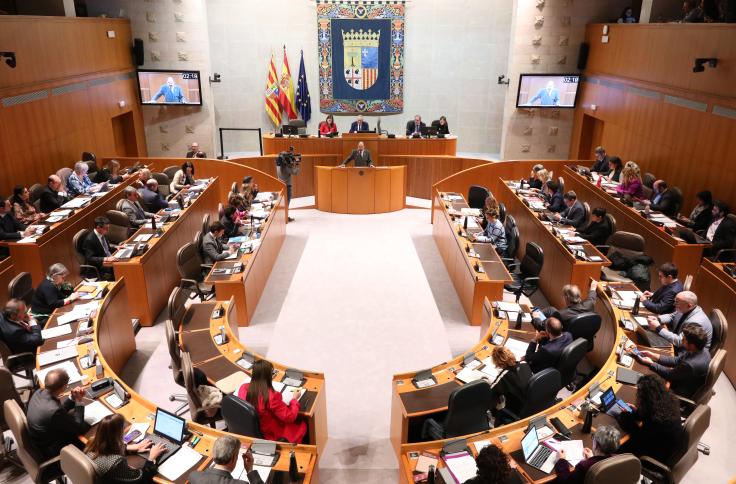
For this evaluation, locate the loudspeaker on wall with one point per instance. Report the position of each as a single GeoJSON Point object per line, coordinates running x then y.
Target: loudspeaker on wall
{"type": "Point", "coordinates": [583, 55]}
{"type": "Point", "coordinates": [138, 58]}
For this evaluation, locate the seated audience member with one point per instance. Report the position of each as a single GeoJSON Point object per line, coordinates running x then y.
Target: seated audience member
{"type": "Point", "coordinates": [493, 467]}
{"type": "Point", "coordinates": [53, 423]}
{"type": "Point", "coordinates": [654, 427]}
{"type": "Point", "coordinates": [662, 301]}
{"type": "Point", "coordinates": [133, 209]}
{"type": "Point", "coordinates": [110, 174]}
{"type": "Point", "coordinates": [213, 249]}
{"type": "Point", "coordinates": [687, 371]}
{"type": "Point", "coordinates": [627, 16]}
{"type": "Point", "coordinates": [702, 214]}
{"type": "Point", "coordinates": [98, 250]}
{"type": "Point", "coordinates": [664, 199]}
{"type": "Point", "coordinates": [183, 178]}
{"type": "Point", "coordinates": [359, 125]}
{"type": "Point", "coordinates": [232, 227]}
{"type": "Point", "coordinates": [631, 184]}
{"type": "Point", "coordinates": [195, 152]}
{"type": "Point", "coordinates": [615, 168]}
{"type": "Point", "coordinates": [278, 421]}
{"type": "Point", "coordinates": [534, 181]}
{"type": "Point", "coordinates": [237, 202]}
{"type": "Point", "coordinates": [108, 453]}
{"type": "Point", "coordinates": [415, 126]}
{"type": "Point", "coordinates": [686, 311]}
{"type": "Point", "coordinates": [328, 126]}
{"type": "Point", "coordinates": [10, 228]}
{"type": "Point", "coordinates": [692, 11]}
{"type": "Point", "coordinates": [605, 444]}
{"type": "Point", "coordinates": [24, 211]}
{"type": "Point", "coordinates": [225, 455]}
{"type": "Point", "coordinates": [599, 228]}
{"type": "Point", "coordinates": [52, 196]}
{"type": "Point", "coordinates": [153, 201]}
{"type": "Point", "coordinates": [509, 387]}
{"type": "Point", "coordinates": [493, 233]}
{"type": "Point", "coordinates": [722, 231]}
{"type": "Point", "coordinates": [144, 174]}
{"type": "Point", "coordinates": [53, 292]}
{"type": "Point", "coordinates": [575, 305]}
{"type": "Point", "coordinates": [555, 200]}
{"type": "Point", "coordinates": [19, 331]}
{"type": "Point", "coordinates": [78, 182]}
{"type": "Point", "coordinates": [441, 125]}
{"type": "Point", "coordinates": [545, 349]}
{"type": "Point", "coordinates": [601, 165]}
{"type": "Point", "coordinates": [574, 213]}
{"type": "Point", "coordinates": [249, 190]}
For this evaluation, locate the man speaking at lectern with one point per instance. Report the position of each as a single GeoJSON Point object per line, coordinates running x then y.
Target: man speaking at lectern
{"type": "Point", "coordinates": [361, 157]}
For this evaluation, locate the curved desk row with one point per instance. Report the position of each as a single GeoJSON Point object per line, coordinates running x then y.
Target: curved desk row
{"type": "Point", "coordinates": [114, 342]}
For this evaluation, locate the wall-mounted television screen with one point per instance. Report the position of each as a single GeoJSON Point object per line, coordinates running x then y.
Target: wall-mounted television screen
{"type": "Point", "coordinates": [547, 90]}
{"type": "Point", "coordinates": [169, 87]}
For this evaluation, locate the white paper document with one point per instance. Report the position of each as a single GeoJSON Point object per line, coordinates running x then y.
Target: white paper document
{"type": "Point", "coordinates": [56, 332]}
{"type": "Point", "coordinates": [467, 375]}
{"type": "Point", "coordinates": [481, 444]}
{"type": "Point", "coordinates": [69, 366]}
{"type": "Point", "coordinates": [518, 348]}
{"type": "Point", "coordinates": [49, 357]}
{"type": "Point", "coordinates": [76, 202]}
{"type": "Point", "coordinates": [143, 237]}
{"type": "Point", "coordinates": [508, 306]}
{"type": "Point", "coordinates": [461, 465]}
{"type": "Point", "coordinates": [182, 460]}
{"type": "Point", "coordinates": [473, 212]}
{"type": "Point", "coordinates": [95, 411]}
{"type": "Point", "coordinates": [573, 449]}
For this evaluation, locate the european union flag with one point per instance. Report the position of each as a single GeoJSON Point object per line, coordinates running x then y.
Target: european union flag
{"type": "Point", "coordinates": [303, 103]}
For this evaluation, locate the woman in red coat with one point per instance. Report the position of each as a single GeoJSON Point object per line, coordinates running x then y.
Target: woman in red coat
{"type": "Point", "coordinates": [278, 421]}
{"type": "Point", "coordinates": [328, 126]}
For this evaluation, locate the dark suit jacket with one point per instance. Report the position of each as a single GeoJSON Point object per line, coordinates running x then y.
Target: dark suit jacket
{"type": "Point", "coordinates": [231, 228]}
{"type": "Point", "coordinates": [587, 305]}
{"type": "Point", "coordinates": [441, 128]}
{"type": "Point", "coordinates": [703, 220]}
{"type": "Point", "coordinates": [546, 353]}
{"type": "Point", "coordinates": [686, 372]}
{"type": "Point", "coordinates": [47, 297]}
{"type": "Point", "coordinates": [574, 215]}
{"type": "Point", "coordinates": [212, 249]}
{"type": "Point", "coordinates": [10, 224]}
{"type": "Point", "coordinates": [51, 200]}
{"type": "Point", "coordinates": [411, 125]}
{"type": "Point", "coordinates": [152, 201]}
{"type": "Point", "coordinates": [218, 476]}
{"type": "Point", "coordinates": [53, 424]}
{"type": "Point", "coordinates": [668, 203]}
{"type": "Point", "coordinates": [596, 233]}
{"type": "Point", "coordinates": [18, 339]}
{"type": "Point", "coordinates": [646, 437]}
{"type": "Point", "coordinates": [577, 475]}
{"type": "Point", "coordinates": [512, 386]}
{"type": "Point", "coordinates": [94, 253]}
{"type": "Point", "coordinates": [601, 166]}
{"type": "Point", "coordinates": [556, 203]}
{"type": "Point", "coordinates": [359, 160]}
{"type": "Point", "coordinates": [615, 175]}
{"type": "Point", "coordinates": [354, 127]}
{"type": "Point", "coordinates": [663, 299]}
{"type": "Point", "coordinates": [724, 237]}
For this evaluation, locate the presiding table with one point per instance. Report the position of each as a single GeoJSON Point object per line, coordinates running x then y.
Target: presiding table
{"type": "Point", "coordinates": [360, 190]}
{"type": "Point", "coordinates": [378, 145]}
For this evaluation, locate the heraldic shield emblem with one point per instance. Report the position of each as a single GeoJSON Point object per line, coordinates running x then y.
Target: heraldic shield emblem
{"type": "Point", "coordinates": [360, 58]}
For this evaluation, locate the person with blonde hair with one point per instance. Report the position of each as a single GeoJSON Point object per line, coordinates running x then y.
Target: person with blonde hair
{"type": "Point", "coordinates": [508, 388]}
{"type": "Point", "coordinates": [631, 183]}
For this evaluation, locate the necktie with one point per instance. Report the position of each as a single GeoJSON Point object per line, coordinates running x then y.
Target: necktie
{"type": "Point", "coordinates": [360, 153]}
{"type": "Point", "coordinates": [360, 126]}
{"type": "Point", "coordinates": [105, 246]}
{"type": "Point", "coordinates": [416, 127]}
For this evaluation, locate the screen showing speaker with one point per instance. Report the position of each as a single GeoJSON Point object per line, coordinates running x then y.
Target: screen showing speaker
{"type": "Point", "coordinates": [170, 87]}
{"type": "Point", "coordinates": [547, 90]}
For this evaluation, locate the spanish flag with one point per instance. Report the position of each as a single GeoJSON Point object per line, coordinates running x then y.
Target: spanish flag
{"type": "Point", "coordinates": [273, 108]}
{"type": "Point", "coordinates": [286, 89]}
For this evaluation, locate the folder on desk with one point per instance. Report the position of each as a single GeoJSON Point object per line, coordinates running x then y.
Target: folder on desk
{"type": "Point", "coordinates": [231, 384]}
{"type": "Point", "coordinates": [53, 356]}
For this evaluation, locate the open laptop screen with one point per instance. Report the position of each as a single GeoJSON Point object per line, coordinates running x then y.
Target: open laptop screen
{"type": "Point", "coordinates": [530, 442]}
{"type": "Point", "coordinates": [169, 425]}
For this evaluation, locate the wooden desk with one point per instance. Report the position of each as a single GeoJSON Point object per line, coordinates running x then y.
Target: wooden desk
{"type": "Point", "coordinates": [7, 273]}
{"type": "Point", "coordinates": [560, 266]}
{"type": "Point", "coordinates": [152, 276]}
{"type": "Point", "coordinates": [56, 244]}
{"type": "Point", "coordinates": [471, 285]}
{"type": "Point", "coordinates": [109, 326]}
{"type": "Point", "coordinates": [247, 287]}
{"type": "Point", "coordinates": [360, 190]}
{"type": "Point", "coordinates": [196, 335]}
{"type": "Point", "coordinates": [658, 244]}
{"type": "Point", "coordinates": [377, 144]}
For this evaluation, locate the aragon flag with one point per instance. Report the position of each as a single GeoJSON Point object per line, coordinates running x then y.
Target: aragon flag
{"type": "Point", "coordinates": [273, 108]}
{"type": "Point", "coordinates": [286, 89]}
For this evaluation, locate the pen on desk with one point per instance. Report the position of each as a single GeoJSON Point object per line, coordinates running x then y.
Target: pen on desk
{"type": "Point", "coordinates": [197, 432]}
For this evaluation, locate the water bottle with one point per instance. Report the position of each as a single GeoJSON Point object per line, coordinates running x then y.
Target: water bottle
{"type": "Point", "coordinates": [430, 475]}
{"type": "Point", "coordinates": [293, 470]}
{"type": "Point", "coordinates": [518, 320]}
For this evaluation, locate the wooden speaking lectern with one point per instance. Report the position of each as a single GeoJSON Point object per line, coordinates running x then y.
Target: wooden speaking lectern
{"type": "Point", "coordinates": [378, 189]}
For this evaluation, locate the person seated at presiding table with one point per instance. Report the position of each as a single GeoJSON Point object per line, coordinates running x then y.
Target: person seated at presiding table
{"type": "Point", "coordinates": [599, 228]}
{"type": "Point", "coordinates": [631, 185]}
{"type": "Point", "coordinates": [494, 233]}
{"type": "Point", "coordinates": [108, 453]}
{"type": "Point", "coordinates": [110, 173]}
{"type": "Point", "coordinates": [575, 305]}
{"type": "Point", "coordinates": [230, 223]}
{"type": "Point", "coordinates": [24, 211]}
{"type": "Point", "coordinates": [359, 125]}
{"type": "Point", "coordinates": [662, 301]}
{"type": "Point", "coordinates": [722, 231]}
{"type": "Point", "coordinates": [213, 249]}
{"type": "Point", "coordinates": [509, 387]}
{"type": "Point", "coordinates": [278, 420]}
{"type": "Point", "coordinates": [195, 152]}
{"type": "Point", "coordinates": [19, 331]}
{"type": "Point", "coordinates": [152, 199]}
{"type": "Point", "coordinates": [701, 215]}
{"type": "Point", "coordinates": [574, 214]}
{"type": "Point", "coordinates": [53, 423]}
{"type": "Point", "coordinates": [183, 178]}
{"type": "Point", "coordinates": [654, 426]}
{"type": "Point", "coordinates": [686, 311]}
{"type": "Point", "coordinates": [553, 195]}
{"type": "Point", "coordinates": [52, 196]}
{"type": "Point", "coordinates": [225, 455]}
{"type": "Point", "coordinates": [78, 182]}
{"type": "Point", "coordinates": [664, 199]}
{"type": "Point", "coordinates": [133, 208]}
{"type": "Point", "coordinates": [601, 165]}
{"type": "Point", "coordinates": [605, 443]}
{"type": "Point", "coordinates": [494, 467]}
{"type": "Point", "coordinates": [441, 126]}
{"type": "Point", "coordinates": [53, 292]}
{"type": "Point", "coordinates": [98, 250]}
{"type": "Point", "coordinates": [615, 168]}
{"type": "Point", "coordinates": [328, 126]}
{"type": "Point", "coordinates": [686, 372]}
{"type": "Point", "coordinates": [414, 127]}
{"type": "Point", "coordinates": [534, 180]}
{"type": "Point", "coordinates": [545, 349]}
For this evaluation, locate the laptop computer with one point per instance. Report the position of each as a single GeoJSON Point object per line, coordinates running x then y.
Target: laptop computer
{"type": "Point", "coordinates": [537, 455]}
{"type": "Point", "coordinates": [626, 376]}
{"type": "Point", "coordinates": [649, 338]}
{"type": "Point", "coordinates": [169, 430]}
{"type": "Point", "coordinates": [612, 405]}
